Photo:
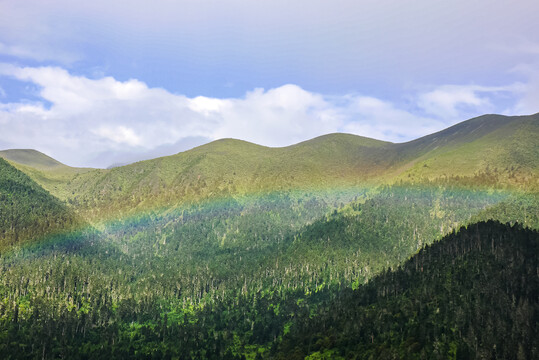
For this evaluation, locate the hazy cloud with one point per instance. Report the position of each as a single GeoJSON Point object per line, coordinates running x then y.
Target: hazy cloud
{"type": "Point", "coordinates": [449, 101]}
{"type": "Point", "coordinates": [318, 44]}
{"type": "Point", "coordinates": [380, 119]}
{"type": "Point", "coordinates": [38, 52]}
{"type": "Point", "coordinates": [529, 101]}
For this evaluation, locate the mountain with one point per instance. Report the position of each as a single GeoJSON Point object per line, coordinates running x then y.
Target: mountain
{"type": "Point", "coordinates": [472, 295]}
{"type": "Point", "coordinates": [494, 149]}
{"type": "Point", "coordinates": [221, 168]}
{"type": "Point", "coordinates": [235, 250]}
{"type": "Point", "coordinates": [49, 173]}
{"type": "Point", "coordinates": [29, 214]}
{"type": "Point", "coordinates": [505, 144]}
{"type": "Point", "coordinates": [31, 158]}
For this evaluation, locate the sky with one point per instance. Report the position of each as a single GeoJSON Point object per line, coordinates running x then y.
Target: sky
{"type": "Point", "coordinates": [96, 83]}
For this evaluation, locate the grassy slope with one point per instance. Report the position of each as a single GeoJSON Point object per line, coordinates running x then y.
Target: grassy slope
{"type": "Point", "coordinates": [51, 174]}
{"type": "Point", "coordinates": [30, 158]}
{"type": "Point", "coordinates": [221, 168]}
{"type": "Point", "coordinates": [492, 142]}
{"type": "Point", "coordinates": [505, 145]}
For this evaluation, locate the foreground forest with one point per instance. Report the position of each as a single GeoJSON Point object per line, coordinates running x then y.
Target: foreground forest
{"type": "Point", "coordinates": [338, 247]}
{"type": "Point", "coordinates": [474, 294]}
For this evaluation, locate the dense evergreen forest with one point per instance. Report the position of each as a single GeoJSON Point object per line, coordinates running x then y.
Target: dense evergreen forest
{"type": "Point", "coordinates": [474, 294]}
{"type": "Point", "coordinates": [232, 276]}
{"type": "Point", "coordinates": [233, 251]}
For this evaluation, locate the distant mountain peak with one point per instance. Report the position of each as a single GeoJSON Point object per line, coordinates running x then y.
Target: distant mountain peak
{"type": "Point", "coordinates": [30, 157]}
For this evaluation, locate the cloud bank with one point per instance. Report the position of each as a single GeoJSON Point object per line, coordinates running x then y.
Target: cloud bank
{"type": "Point", "coordinates": [98, 122]}
{"type": "Point", "coordinates": [224, 48]}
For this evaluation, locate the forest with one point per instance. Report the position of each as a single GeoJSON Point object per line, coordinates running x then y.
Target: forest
{"type": "Point", "coordinates": [184, 258]}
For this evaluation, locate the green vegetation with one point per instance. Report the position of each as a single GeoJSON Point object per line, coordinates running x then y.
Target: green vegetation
{"type": "Point", "coordinates": [234, 250]}
{"type": "Point", "coordinates": [31, 158]}
{"type": "Point", "coordinates": [491, 150]}
{"type": "Point", "coordinates": [503, 146]}
{"type": "Point", "coordinates": [473, 290]}
{"type": "Point", "coordinates": [472, 295]}
{"type": "Point", "coordinates": [27, 212]}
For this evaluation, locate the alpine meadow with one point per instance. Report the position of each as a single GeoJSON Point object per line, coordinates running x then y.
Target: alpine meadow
{"type": "Point", "coordinates": [272, 180]}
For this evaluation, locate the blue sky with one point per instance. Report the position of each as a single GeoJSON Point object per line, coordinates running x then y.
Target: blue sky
{"type": "Point", "coordinates": [93, 83]}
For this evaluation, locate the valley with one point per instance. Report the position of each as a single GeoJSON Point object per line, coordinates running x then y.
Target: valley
{"type": "Point", "coordinates": [337, 247]}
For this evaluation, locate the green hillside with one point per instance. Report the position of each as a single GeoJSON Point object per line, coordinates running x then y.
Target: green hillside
{"type": "Point", "coordinates": [227, 250]}
{"type": "Point", "coordinates": [504, 146]}
{"type": "Point", "coordinates": [473, 295]}
{"type": "Point", "coordinates": [219, 169]}
{"type": "Point", "coordinates": [28, 213]}
{"type": "Point", "coordinates": [50, 174]}
{"type": "Point", "coordinates": [384, 229]}
{"type": "Point", "coordinates": [457, 298]}
{"type": "Point", "coordinates": [31, 158]}
{"type": "Point", "coordinates": [488, 150]}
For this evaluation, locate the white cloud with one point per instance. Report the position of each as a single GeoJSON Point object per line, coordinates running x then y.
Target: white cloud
{"type": "Point", "coordinates": [81, 120]}
{"type": "Point", "coordinates": [88, 116]}
{"type": "Point", "coordinates": [449, 101]}
{"type": "Point", "coordinates": [119, 135]}
{"type": "Point", "coordinates": [382, 120]}
{"type": "Point", "coordinates": [79, 117]}
{"type": "Point", "coordinates": [277, 117]}
{"type": "Point", "coordinates": [528, 102]}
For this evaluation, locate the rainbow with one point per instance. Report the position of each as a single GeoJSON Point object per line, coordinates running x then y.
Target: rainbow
{"type": "Point", "coordinates": [87, 234]}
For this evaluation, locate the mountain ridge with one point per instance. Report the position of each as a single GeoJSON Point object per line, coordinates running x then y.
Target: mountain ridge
{"type": "Point", "coordinates": [24, 156]}
{"type": "Point", "coordinates": [233, 250]}
{"type": "Point", "coordinates": [491, 146]}
{"type": "Point", "coordinates": [30, 157]}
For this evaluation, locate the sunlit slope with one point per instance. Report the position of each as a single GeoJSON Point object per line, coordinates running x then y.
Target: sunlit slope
{"type": "Point", "coordinates": [505, 145]}
{"type": "Point", "coordinates": [238, 166]}
{"type": "Point", "coordinates": [49, 173]}
{"type": "Point", "coordinates": [221, 168]}
{"type": "Point", "coordinates": [490, 149]}
{"type": "Point", "coordinates": [28, 213]}
{"type": "Point", "coordinates": [30, 157]}
{"type": "Point", "coordinates": [368, 235]}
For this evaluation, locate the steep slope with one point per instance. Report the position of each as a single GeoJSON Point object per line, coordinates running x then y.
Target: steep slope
{"type": "Point", "coordinates": [473, 295]}
{"type": "Point", "coordinates": [507, 145]}
{"type": "Point", "coordinates": [49, 173]}
{"type": "Point", "coordinates": [28, 213]}
{"type": "Point", "coordinates": [236, 167]}
{"type": "Point", "coordinates": [490, 150]}
{"type": "Point", "coordinates": [31, 158]}
{"type": "Point", "coordinates": [219, 169]}
{"type": "Point", "coordinates": [383, 230]}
